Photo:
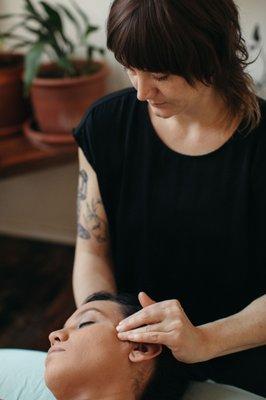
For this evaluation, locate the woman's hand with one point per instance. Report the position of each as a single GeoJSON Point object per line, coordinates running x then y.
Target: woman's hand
{"type": "Point", "coordinates": [166, 323]}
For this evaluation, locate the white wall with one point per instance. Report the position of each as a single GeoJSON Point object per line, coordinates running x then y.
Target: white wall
{"type": "Point", "coordinates": [43, 204]}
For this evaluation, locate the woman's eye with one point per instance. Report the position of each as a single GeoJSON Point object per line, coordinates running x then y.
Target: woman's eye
{"type": "Point", "coordinates": [85, 324]}
{"type": "Point", "coordinates": [157, 78]}
{"type": "Point", "coordinates": [161, 78]}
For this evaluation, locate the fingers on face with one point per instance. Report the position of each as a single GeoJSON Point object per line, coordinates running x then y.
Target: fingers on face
{"type": "Point", "coordinates": [149, 315]}
{"type": "Point", "coordinates": [153, 314]}
{"type": "Point", "coordinates": [145, 329]}
{"type": "Point", "coordinates": [147, 337]}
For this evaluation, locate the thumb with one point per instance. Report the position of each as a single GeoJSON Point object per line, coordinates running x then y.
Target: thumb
{"type": "Point", "coordinates": [145, 300]}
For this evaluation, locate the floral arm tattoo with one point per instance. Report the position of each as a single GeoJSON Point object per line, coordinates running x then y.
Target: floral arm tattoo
{"type": "Point", "coordinates": [94, 225]}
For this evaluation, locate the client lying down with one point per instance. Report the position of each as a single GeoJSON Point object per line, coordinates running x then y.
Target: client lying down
{"type": "Point", "coordinates": [87, 361]}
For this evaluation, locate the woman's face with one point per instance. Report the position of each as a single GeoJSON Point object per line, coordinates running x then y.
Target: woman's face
{"type": "Point", "coordinates": [87, 350]}
{"type": "Point", "coordinates": [167, 95]}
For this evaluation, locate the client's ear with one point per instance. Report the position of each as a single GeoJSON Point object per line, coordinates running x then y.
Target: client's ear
{"type": "Point", "coordinates": [144, 351]}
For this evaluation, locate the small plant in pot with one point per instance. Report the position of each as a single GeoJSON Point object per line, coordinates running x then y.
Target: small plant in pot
{"type": "Point", "coordinates": [13, 107]}
{"type": "Point", "coordinates": [64, 87]}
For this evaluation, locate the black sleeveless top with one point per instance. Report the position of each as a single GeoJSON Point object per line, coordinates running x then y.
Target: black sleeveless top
{"type": "Point", "coordinates": [186, 227]}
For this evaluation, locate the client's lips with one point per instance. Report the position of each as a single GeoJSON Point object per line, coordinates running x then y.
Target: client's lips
{"type": "Point", "coordinates": [55, 349]}
{"type": "Point", "coordinates": [157, 104]}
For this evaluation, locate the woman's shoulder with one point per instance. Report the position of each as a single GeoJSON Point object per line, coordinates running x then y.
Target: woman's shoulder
{"type": "Point", "coordinates": [262, 104]}
{"type": "Point", "coordinates": [257, 142]}
{"type": "Point", "coordinates": [260, 131]}
{"type": "Point", "coordinates": [109, 112]}
{"type": "Point", "coordinates": [115, 102]}
{"type": "Point", "coordinates": [257, 135]}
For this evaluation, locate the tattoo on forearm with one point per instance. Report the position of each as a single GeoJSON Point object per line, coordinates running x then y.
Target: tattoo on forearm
{"type": "Point", "coordinates": [82, 189]}
{"type": "Point", "coordinates": [95, 226]}
{"type": "Point", "coordinates": [82, 193]}
{"type": "Point", "coordinates": [82, 232]}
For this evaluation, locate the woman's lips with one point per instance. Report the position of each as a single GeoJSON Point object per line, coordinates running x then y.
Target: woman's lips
{"type": "Point", "coordinates": [157, 104]}
{"type": "Point", "coordinates": [55, 350]}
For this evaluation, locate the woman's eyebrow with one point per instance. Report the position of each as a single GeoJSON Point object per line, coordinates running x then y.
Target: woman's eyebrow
{"type": "Point", "coordinates": [87, 310]}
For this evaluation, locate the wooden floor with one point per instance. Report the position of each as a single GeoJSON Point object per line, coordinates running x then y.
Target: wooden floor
{"type": "Point", "coordinates": [35, 291]}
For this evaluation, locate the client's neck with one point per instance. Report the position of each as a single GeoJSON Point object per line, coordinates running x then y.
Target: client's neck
{"type": "Point", "coordinates": [88, 397]}
{"type": "Point", "coordinates": [92, 395]}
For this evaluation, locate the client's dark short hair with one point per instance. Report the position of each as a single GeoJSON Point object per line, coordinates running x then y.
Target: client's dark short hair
{"type": "Point", "coordinates": [169, 380]}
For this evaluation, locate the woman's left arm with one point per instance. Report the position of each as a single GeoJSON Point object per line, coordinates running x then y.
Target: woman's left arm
{"type": "Point", "coordinates": [241, 331]}
{"type": "Point", "coordinates": [166, 323]}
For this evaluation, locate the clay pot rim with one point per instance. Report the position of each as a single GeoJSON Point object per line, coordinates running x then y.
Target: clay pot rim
{"type": "Point", "coordinates": [56, 138]}
{"type": "Point", "coordinates": [74, 80]}
{"type": "Point", "coordinates": [10, 130]}
{"type": "Point", "coordinates": [16, 67]}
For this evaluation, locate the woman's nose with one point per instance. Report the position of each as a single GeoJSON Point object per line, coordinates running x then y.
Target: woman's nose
{"type": "Point", "coordinates": [144, 89]}
{"type": "Point", "coordinates": [58, 336]}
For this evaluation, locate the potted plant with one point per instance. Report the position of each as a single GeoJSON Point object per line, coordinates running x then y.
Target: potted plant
{"type": "Point", "coordinates": [64, 87]}
{"type": "Point", "coordinates": [13, 108]}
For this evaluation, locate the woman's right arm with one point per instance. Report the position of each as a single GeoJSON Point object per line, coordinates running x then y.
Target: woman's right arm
{"type": "Point", "coordinates": [93, 267]}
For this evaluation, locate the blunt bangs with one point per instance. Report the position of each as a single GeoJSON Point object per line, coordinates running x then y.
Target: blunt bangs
{"type": "Point", "coordinates": [145, 38]}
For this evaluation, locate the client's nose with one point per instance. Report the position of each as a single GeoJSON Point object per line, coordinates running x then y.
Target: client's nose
{"type": "Point", "coordinates": [58, 336]}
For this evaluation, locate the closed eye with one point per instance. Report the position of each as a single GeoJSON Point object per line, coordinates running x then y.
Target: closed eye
{"type": "Point", "coordinates": [82, 324]}
{"type": "Point", "coordinates": [157, 78]}
{"type": "Point", "coordinates": [161, 78]}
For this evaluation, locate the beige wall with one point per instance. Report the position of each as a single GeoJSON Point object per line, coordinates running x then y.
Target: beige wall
{"type": "Point", "coordinates": [40, 204]}
{"type": "Point", "coordinates": [43, 204]}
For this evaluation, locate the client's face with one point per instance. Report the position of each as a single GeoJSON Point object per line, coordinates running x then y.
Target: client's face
{"type": "Point", "coordinates": [86, 355]}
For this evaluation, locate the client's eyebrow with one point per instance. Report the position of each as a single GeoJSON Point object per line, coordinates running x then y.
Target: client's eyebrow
{"type": "Point", "coordinates": [87, 310]}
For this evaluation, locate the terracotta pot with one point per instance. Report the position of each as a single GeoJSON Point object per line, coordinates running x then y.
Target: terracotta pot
{"type": "Point", "coordinates": [59, 103]}
{"type": "Point", "coordinates": [13, 107]}
{"type": "Point", "coordinates": [31, 132]}
{"type": "Point", "coordinates": [48, 141]}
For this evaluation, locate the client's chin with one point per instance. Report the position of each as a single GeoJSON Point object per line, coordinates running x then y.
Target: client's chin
{"type": "Point", "coordinates": [55, 377]}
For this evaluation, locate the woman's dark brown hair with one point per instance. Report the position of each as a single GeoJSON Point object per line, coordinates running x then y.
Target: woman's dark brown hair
{"type": "Point", "coordinates": [197, 40]}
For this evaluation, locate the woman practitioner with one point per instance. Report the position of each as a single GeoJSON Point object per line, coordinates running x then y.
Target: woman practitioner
{"type": "Point", "coordinates": [172, 189]}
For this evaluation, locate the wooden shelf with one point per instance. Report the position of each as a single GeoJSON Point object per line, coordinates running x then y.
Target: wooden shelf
{"type": "Point", "coordinates": [18, 155]}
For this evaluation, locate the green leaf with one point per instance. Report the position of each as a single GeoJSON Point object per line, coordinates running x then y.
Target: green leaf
{"type": "Point", "coordinates": [55, 23]}
{"type": "Point", "coordinates": [90, 29]}
{"type": "Point", "coordinates": [42, 36]}
{"type": "Point", "coordinates": [66, 65]}
{"type": "Point", "coordinates": [9, 35]}
{"type": "Point", "coordinates": [55, 20]}
{"type": "Point", "coordinates": [18, 25]}
{"type": "Point", "coordinates": [30, 8]}
{"type": "Point", "coordinates": [90, 51]}
{"type": "Point", "coordinates": [20, 45]}
{"type": "Point", "coordinates": [31, 65]}
{"type": "Point", "coordinates": [71, 18]}
{"type": "Point", "coordinates": [6, 16]}
{"type": "Point", "coordinates": [82, 14]}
